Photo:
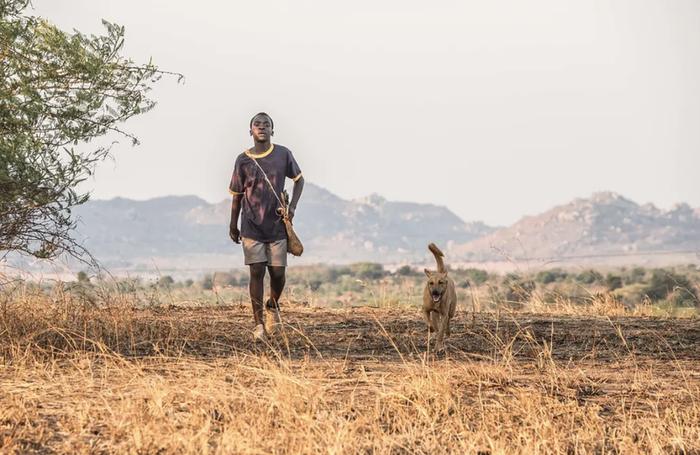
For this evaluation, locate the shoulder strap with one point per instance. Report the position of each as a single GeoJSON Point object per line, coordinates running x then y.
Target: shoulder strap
{"type": "Point", "coordinates": [268, 181]}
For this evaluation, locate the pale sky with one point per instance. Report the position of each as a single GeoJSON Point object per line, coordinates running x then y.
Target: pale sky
{"type": "Point", "coordinates": [495, 109]}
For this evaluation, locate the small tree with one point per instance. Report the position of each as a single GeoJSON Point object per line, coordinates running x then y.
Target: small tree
{"type": "Point", "coordinates": [477, 276]}
{"type": "Point", "coordinates": [166, 281]}
{"type": "Point", "coordinates": [57, 90]}
{"type": "Point", "coordinates": [551, 276]}
{"type": "Point", "coordinates": [613, 282]}
{"type": "Point", "coordinates": [405, 270]}
{"type": "Point", "coordinates": [589, 277]}
{"type": "Point", "coordinates": [367, 270]}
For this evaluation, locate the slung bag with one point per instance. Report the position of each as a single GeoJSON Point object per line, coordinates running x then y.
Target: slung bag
{"type": "Point", "coordinates": [294, 245]}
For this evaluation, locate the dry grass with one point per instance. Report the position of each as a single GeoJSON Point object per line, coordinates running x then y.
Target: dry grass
{"type": "Point", "coordinates": [109, 377]}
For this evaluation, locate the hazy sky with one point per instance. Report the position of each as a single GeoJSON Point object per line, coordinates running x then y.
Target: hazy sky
{"type": "Point", "coordinates": [495, 109]}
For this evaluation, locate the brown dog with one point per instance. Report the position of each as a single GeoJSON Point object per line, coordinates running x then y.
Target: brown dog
{"type": "Point", "coordinates": [439, 299]}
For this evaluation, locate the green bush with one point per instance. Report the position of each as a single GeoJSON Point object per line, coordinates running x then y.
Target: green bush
{"type": "Point", "coordinates": [551, 276]}
{"type": "Point", "coordinates": [406, 270]}
{"type": "Point", "coordinates": [83, 277]}
{"type": "Point", "coordinates": [589, 277]}
{"type": "Point", "coordinates": [683, 297]}
{"type": "Point", "coordinates": [367, 270]}
{"type": "Point", "coordinates": [476, 276]}
{"type": "Point", "coordinates": [636, 275]}
{"type": "Point", "coordinates": [664, 282]}
{"type": "Point", "coordinates": [613, 282]}
{"type": "Point", "coordinates": [165, 281]}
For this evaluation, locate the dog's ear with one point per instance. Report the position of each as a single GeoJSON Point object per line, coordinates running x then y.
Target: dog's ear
{"type": "Point", "coordinates": [428, 273]}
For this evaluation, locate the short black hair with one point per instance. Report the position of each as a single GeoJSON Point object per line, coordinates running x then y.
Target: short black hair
{"type": "Point", "coordinates": [272, 124]}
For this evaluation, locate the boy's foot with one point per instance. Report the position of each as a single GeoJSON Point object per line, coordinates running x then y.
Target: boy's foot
{"type": "Point", "coordinates": [259, 333]}
{"type": "Point", "coordinates": [273, 318]}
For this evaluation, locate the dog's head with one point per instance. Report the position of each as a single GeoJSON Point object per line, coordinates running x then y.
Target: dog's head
{"type": "Point", "coordinates": [437, 284]}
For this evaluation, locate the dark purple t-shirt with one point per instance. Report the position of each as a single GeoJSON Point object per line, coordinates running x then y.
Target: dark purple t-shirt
{"type": "Point", "coordinates": [259, 218]}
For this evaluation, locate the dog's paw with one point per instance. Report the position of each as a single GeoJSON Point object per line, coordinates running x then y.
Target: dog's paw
{"type": "Point", "coordinates": [440, 349]}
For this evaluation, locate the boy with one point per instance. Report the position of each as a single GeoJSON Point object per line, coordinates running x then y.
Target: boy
{"type": "Point", "coordinates": [262, 230]}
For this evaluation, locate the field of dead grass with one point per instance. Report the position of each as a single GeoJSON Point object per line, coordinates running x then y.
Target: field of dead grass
{"type": "Point", "coordinates": [113, 377]}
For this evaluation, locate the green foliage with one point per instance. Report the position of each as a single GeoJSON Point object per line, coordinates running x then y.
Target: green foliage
{"type": "Point", "coordinates": [613, 282]}
{"type": "Point", "coordinates": [208, 283]}
{"type": "Point", "coordinates": [636, 275]}
{"type": "Point", "coordinates": [406, 270]}
{"type": "Point", "coordinates": [57, 90]}
{"type": "Point", "coordinates": [589, 277]}
{"type": "Point", "coordinates": [664, 282]}
{"type": "Point", "coordinates": [166, 281]}
{"type": "Point", "coordinates": [551, 276]}
{"type": "Point", "coordinates": [367, 270]}
{"type": "Point", "coordinates": [83, 277]}
{"type": "Point", "coordinates": [683, 297]}
{"type": "Point", "coordinates": [476, 276]}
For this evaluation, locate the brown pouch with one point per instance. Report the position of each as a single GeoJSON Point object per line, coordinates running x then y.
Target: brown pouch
{"type": "Point", "coordinates": [294, 245]}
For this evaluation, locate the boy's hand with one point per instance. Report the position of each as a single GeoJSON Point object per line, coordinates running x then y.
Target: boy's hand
{"type": "Point", "coordinates": [290, 212]}
{"type": "Point", "coordinates": [235, 234]}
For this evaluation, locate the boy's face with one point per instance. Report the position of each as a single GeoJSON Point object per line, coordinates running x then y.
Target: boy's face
{"type": "Point", "coordinates": [261, 130]}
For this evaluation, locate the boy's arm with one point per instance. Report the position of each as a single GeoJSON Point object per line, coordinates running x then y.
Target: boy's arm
{"type": "Point", "coordinates": [296, 194]}
{"type": "Point", "coordinates": [233, 231]}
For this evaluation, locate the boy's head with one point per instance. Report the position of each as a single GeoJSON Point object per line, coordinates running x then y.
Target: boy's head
{"type": "Point", "coordinates": [261, 127]}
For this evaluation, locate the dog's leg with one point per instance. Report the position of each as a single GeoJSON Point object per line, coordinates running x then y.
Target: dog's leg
{"type": "Point", "coordinates": [442, 331]}
{"type": "Point", "coordinates": [435, 321]}
{"type": "Point", "coordinates": [426, 316]}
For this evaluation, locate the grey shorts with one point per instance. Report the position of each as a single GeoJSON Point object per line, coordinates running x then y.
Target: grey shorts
{"type": "Point", "coordinates": [272, 253]}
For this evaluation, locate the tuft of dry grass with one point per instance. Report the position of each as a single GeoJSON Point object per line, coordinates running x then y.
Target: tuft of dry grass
{"type": "Point", "coordinates": [109, 376]}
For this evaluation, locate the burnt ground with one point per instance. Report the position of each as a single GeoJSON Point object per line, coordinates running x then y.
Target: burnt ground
{"type": "Point", "coordinates": [393, 334]}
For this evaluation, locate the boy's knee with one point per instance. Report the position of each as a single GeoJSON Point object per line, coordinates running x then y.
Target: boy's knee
{"type": "Point", "coordinates": [276, 273]}
{"type": "Point", "coordinates": [257, 271]}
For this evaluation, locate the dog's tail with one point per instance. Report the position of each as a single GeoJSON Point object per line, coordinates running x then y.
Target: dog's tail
{"type": "Point", "coordinates": [438, 257]}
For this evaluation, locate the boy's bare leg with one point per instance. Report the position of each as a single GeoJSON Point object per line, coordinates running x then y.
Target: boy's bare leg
{"type": "Point", "coordinates": [277, 281]}
{"type": "Point", "coordinates": [257, 280]}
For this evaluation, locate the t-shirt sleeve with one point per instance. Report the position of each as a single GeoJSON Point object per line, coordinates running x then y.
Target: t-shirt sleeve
{"type": "Point", "coordinates": [237, 182]}
{"type": "Point", "coordinates": [293, 171]}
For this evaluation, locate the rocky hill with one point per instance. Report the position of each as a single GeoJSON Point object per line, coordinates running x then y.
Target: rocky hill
{"type": "Point", "coordinates": [604, 224]}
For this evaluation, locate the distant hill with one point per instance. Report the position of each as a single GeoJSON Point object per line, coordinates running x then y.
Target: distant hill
{"type": "Point", "coordinates": [605, 223]}
{"type": "Point", "coordinates": [187, 234]}
{"type": "Point", "coordinates": [122, 232]}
